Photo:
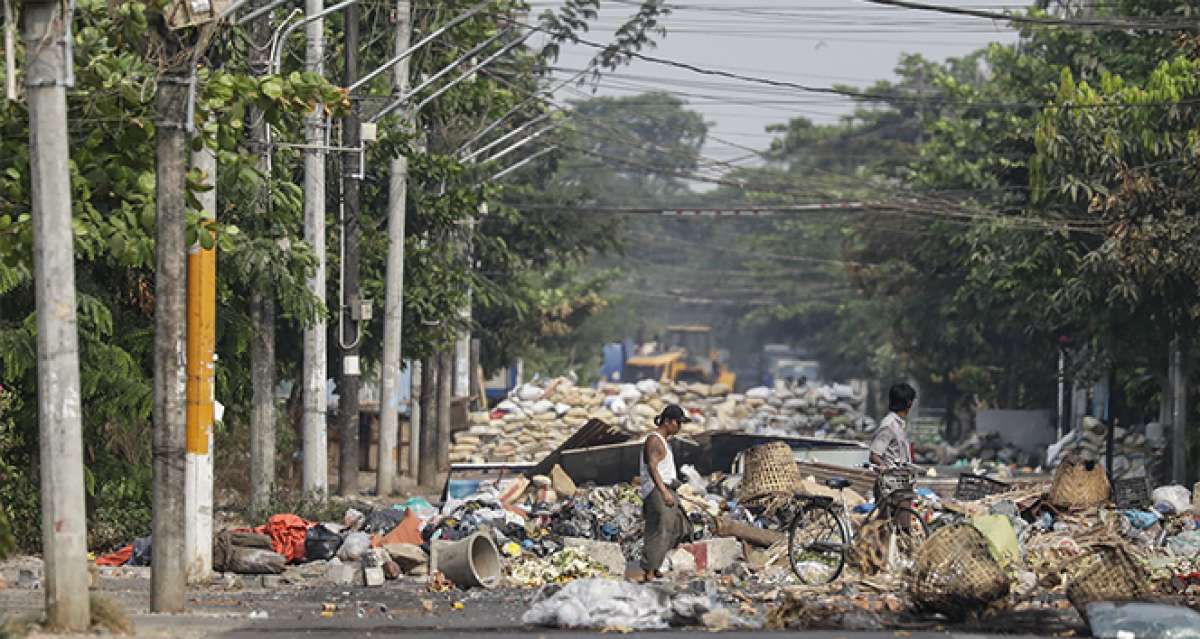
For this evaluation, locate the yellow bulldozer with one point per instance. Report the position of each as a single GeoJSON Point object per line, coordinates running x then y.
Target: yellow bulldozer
{"type": "Point", "coordinates": [686, 354]}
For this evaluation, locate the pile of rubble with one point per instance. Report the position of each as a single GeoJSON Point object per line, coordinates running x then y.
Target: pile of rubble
{"type": "Point", "coordinates": [1042, 553]}
{"type": "Point", "coordinates": [536, 419]}
{"type": "Point", "coordinates": [1137, 451]}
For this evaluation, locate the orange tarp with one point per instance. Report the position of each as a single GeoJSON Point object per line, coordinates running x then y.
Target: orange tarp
{"type": "Point", "coordinates": [408, 532]}
{"type": "Point", "coordinates": [118, 558]}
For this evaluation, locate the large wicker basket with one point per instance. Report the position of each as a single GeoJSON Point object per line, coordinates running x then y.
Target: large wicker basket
{"type": "Point", "coordinates": [1111, 574]}
{"type": "Point", "coordinates": [1079, 485]}
{"type": "Point", "coordinates": [955, 573]}
{"type": "Point", "coordinates": [769, 469]}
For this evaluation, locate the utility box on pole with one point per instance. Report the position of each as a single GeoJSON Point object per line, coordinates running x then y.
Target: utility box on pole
{"type": "Point", "coordinates": [190, 13]}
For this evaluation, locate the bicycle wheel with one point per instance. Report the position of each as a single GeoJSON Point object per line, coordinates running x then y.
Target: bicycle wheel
{"type": "Point", "coordinates": [909, 532]}
{"type": "Point", "coordinates": [817, 543]}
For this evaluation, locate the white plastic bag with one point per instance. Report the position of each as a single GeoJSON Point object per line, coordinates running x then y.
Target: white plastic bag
{"type": "Point", "coordinates": [530, 393]}
{"type": "Point", "coordinates": [601, 603]}
{"type": "Point", "coordinates": [647, 387]}
{"type": "Point", "coordinates": [698, 483]}
{"type": "Point", "coordinates": [356, 545]}
{"type": "Point", "coordinates": [1137, 619]}
{"type": "Point", "coordinates": [616, 405]}
{"type": "Point", "coordinates": [1177, 497]}
{"type": "Point", "coordinates": [758, 392]}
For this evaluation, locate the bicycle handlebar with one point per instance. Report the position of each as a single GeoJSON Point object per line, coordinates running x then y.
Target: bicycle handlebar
{"type": "Point", "coordinates": [902, 466]}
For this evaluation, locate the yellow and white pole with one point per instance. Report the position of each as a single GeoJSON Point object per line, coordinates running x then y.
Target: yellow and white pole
{"type": "Point", "coordinates": [201, 361]}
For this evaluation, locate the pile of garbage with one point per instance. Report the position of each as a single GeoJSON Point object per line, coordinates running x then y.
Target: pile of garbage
{"type": "Point", "coordinates": [987, 451]}
{"type": "Point", "coordinates": [537, 418]}
{"type": "Point", "coordinates": [1067, 544]}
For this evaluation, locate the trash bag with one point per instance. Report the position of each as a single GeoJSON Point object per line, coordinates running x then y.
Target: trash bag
{"type": "Point", "coordinates": [698, 483]}
{"type": "Point", "coordinates": [420, 506]}
{"type": "Point", "coordinates": [1141, 619]}
{"type": "Point", "coordinates": [383, 521]}
{"type": "Point", "coordinates": [255, 561]}
{"type": "Point", "coordinates": [143, 551]}
{"type": "Point", "coordinates": [600, 603]}
{"type": "Point", "coordinates": [321, 543]}
{"type": "Point", "coordinates": [227, 543]}
{"type": "Point", "coordinates": [1185, 544]}
{"type": "Point", "coordinates": [1141, 519]}
{"type": "Point", "coordinates": [355, 546]}
{"type": "Point", "coordinates": [352, 518]}
{"type": "Point", "coordinates": [1178, 499]}
{"type": "Point", "coordinates": [530, 393]}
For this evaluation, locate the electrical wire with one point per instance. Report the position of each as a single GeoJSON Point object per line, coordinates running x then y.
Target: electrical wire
{"type": "Point", "coordinates": [1118, 24]}
{"type": "Point", "coordinates": [866, 95]}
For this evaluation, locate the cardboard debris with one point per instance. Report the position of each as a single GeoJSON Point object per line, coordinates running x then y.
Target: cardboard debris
{"type": "Point", "coordinates": [561, 482]}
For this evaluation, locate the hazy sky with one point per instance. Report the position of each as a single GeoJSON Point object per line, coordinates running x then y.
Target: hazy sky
{"type": "Point", "coordinates": [812, 42]}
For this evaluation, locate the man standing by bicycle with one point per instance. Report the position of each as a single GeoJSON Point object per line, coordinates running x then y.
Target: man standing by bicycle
{"type": "Point", "coordinates": [890, 449]}
{"type": "Point", "coordinates": [666, 522]}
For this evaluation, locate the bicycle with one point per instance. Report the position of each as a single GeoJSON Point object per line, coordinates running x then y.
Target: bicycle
{"type": "Point", "coordinates": [820, 538]}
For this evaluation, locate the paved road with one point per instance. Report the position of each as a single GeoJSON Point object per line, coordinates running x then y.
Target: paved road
{"type": "Point", "coordinates": [244, 609]}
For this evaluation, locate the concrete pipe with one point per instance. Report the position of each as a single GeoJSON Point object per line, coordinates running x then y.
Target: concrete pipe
{"type": "Point", "coordinates": [470, 562]}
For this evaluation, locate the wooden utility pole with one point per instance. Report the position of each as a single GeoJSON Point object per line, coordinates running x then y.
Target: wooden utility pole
{"type": "Point", "coordinates": [64, 527]}
{"type": "Point", "coordinates": [445, 396]}
{"type": "Point", "coordinates": [393, 311]}
{"type": "Point", "coordinates": [427, 462]}
{"type": "Point", "coordinates": [262, 300]}
{"type": "Point", "coordinates": [316, 440]}
{"type": "Point", "coordinates": [169, 574]}
{"type": "Point", "coordinates": [348, 409]}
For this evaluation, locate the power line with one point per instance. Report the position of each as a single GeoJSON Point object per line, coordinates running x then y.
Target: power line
{"type": "Point", "coordinates": [1118, 24]}
{"type": "Point", "coordinates": [865, 95]}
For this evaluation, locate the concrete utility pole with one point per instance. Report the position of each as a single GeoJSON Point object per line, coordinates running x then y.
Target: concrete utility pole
{"type": "Point", "coordinates": [393, 313]}
{"type": "Point", "coordinates": [262, 300]}
{"type": "Point", "coordinates": [168, 581]}
{"type": "Point", "coordinates": [427, 464]}
{"type": "Point", "coordinates": [316, 440]}
{"type": "Point", "coordinates": [201, 346]}
{"type": "Point", "coordinates": [348, 390]}
{"type": "Point", "coordinates": [1062, 399]}
{"type": "Point", "coordinates": [445, 395]}
{"type": "Point", "coordinates": [414, 419]}
{"type": "Point", "coordinates": [64, 527]}
{"type": "Point", "coordinates": [1179, 379]}
{"type": "Point", "coordinates": [462, 346]}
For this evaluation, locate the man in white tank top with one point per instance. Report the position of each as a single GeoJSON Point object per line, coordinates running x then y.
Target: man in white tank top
{"type": "Point", "coordinates": [667, 524]}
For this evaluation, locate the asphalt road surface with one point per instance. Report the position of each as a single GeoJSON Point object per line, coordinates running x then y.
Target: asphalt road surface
{"type": "Point", "coordinates": [244, 608]}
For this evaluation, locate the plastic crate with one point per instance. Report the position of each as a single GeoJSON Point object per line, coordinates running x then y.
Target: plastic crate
{"type": "Point", "coordinates": [971, 486]}
{"type": "Point", "coordinates": [1131, 493]}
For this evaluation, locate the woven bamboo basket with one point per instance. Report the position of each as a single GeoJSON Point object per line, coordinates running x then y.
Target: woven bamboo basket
{"type": "Point", "coordinates": [769, 469]}
{"type": "Point", "coordinates": [1079, 485]}
{"type": "Point", "coordinates": [1111, 574]}
{"type": "Point", "coordinates": [955, 573]}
